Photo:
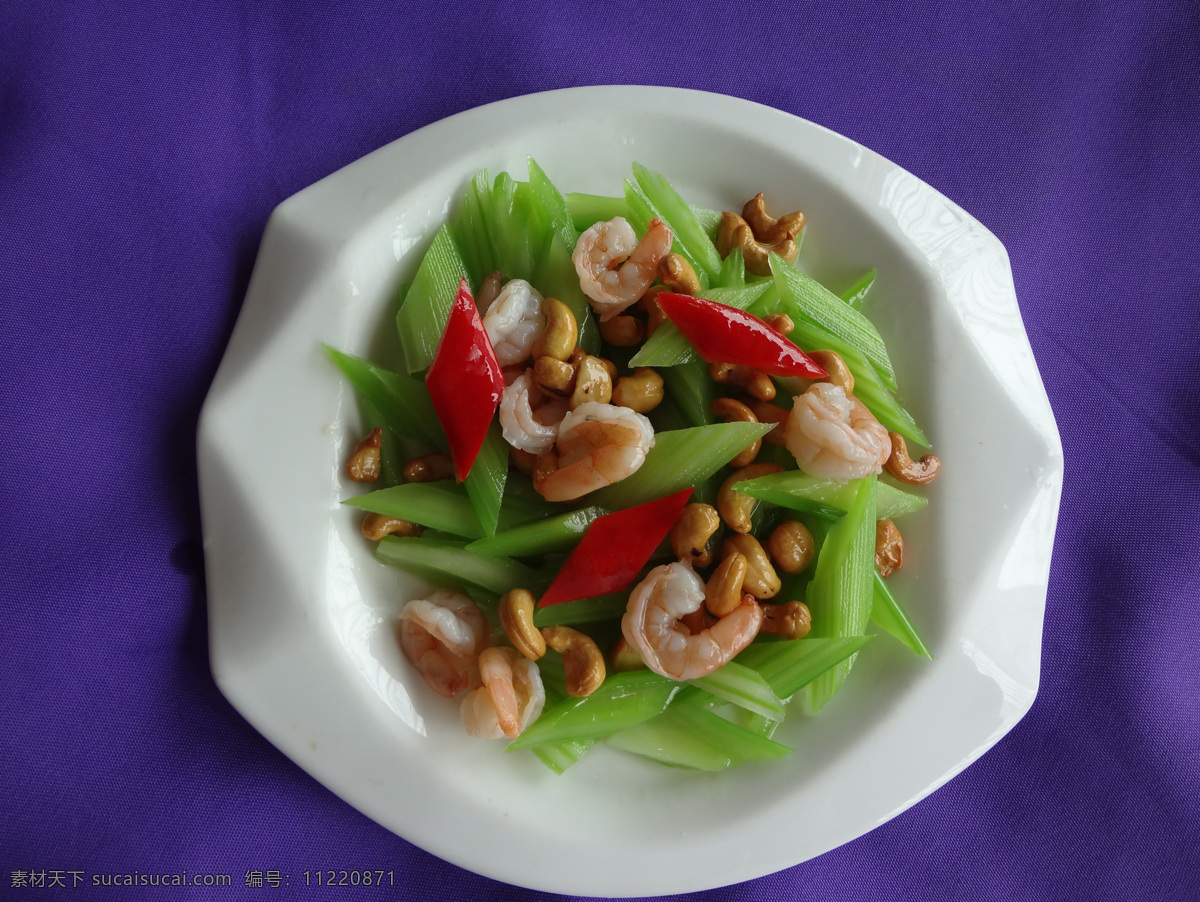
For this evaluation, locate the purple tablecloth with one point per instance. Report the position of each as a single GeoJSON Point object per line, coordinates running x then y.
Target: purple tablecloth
{"type": "Point", "coordinates": [141, 150]}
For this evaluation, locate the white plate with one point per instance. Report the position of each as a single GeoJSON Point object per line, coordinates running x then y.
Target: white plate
{"type": "Point", "coordinates": [299, 608]}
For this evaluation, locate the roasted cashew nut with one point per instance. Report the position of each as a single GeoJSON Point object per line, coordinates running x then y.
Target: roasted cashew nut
{"type": "Point", "coordinates": [431, 467]}
{"type": "Point", "coordinates": [735, 232]}
{"type": "Point", "coordinates": [654, 312]}
{"type": "Point", "coordinates": [592, 382]}
{"type": "Point", "coordinates": [734, 411]}
{"type": "Point", "coordinates": [723, 591]}
{"type": "Point", "coordinates": [554, 376]}
{"type": "Point", "coordinates": [771, 413]}
{"type": "Point", "coordinates": [755, 383]}
{"type": "Point", "coordinates": [832, 363]}
{"type": "Point", "coordinates": [791, 546]}
{"type": "Point", "coordinates": [677, 274]}
{"type": "Point", "coordinates": [515, 612]}
{"type": "Point", "coordinates": [781, 323]}
{"type": "Point", "coordinates": [889, 548]}
{"type": "Point", "coordinates": [625, 657]}
{"type": "Point", "coordinates": [690, 535]}
{"type": "Point", "coordinates": [641, 391]}
{"type": "Point", "coordinates": [788, 621]}
{"type": "Point", "coordinates": [561, 332]}
{"type": "Point", "coordinates": [768, 229]}
{"type": "Point", "coordinates": [737, 507]}
{"type": "Point", "coordinates": [907, 470]}
{"type": "Point", "coordinates": [623, 331]}
{"type": "Point", "coordinates": [376, 526]}
{"type": "Point", "coordinates": [761, 579]}
{"type": "Point", "coordinates": [489, 291]}
{"type": "Point", "coordinates": [367, 460]}
{"type": "Point", "coordinates": [583, 662]}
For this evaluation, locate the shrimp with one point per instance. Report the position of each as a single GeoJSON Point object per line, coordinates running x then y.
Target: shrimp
{"type": "Point", "coordinates": [653, 625]}
{"type": "Point", "coordinates": [514, 321]}
{"type": "Point", "coordinates": [442, 636]}
{"type": "Point", "coordinates": [598, 444]}
{"type": "Point", "coordinates": [614, 268]}
{"type": "Point", "coordinates": [833, 436]}
{"type": "Point", "coordinates": [510, 699]}
{"type": "Point", "coordinates": [524, 428]}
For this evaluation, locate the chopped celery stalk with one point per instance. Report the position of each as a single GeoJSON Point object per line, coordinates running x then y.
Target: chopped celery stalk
{"type": "Point", "coordinates": [422, 319]}
{"type": "Point", "coordinates": [402, 401]}
{"type": "Point", "coordinates": [887, 614]}
{"type": "Point", "coordinates": [710, 220]}
{"type": "Point", "coordinates": [522, 504]}
{"type": "Point", "coordinates": [790, 666]}
{"type": "Point", "coordinates": [624, 699]}
{"type": "Point", "coordinates": [559, 533]}
{"type": "Point", "coordinates": [557, 278]}
{"type": "Point", "coordinates": [692, 736]}
{"type": "Point", "coordinates": [553, 205]}
{"type": "Point", "coordinates": [518, 230]}
{"type": "Point", "coordinates": [588, 209]}
{"type": "Point", "coordinates": [586, 610]}
{"type": "Point", "coordinates": [668, 347]}
{"type": "Point", "coordinates": [391, 462]}
{"type": "Point", "coordinates": [485, 481]}
{"type": "Point", "coordinates": [870, 389]}
{"type": "Point", "coordinates": [733, 269]}
{"type": "Point", "coordinates": [842, 587]}
{"type": "Point", "coordinates": [440, 505]}
{"type": "Point", "coordinates": [814, 303]}
{"type": "Point", "coordinates": [448, 563]}
{"type": "Point", "coordinates": [642, 210]}
{"type": "Point", "coordinates": [855, 294]}
{"type": "Point", "coordinates": [682, 458]}
{"type": "Point", "coordinates": [559, 757]}
{"type": "Point", "coordinates": [743, 687]}
{"type": "Point", "coordinates": [827, 497]}
{"type": "Point", "coordinates": [470, 228]}
{"type": "Point", "coordinates": [689, 233]}
{"type": "Point", "coordinates": [689, 387]}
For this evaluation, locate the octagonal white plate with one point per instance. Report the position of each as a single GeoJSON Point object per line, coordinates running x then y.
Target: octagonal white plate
{"type": "Point", "coordinates": [299, 610]}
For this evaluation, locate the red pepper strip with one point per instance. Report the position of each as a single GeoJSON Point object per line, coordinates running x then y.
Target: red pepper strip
{"type": "Point", "coordinates": [724, 334]}
{"type": "Point", "coordinates": [613, 550]}
{"type": "Point", "coordinates": [465, 381]}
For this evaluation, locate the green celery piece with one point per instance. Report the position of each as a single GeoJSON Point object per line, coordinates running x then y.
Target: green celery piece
{"type": "Point", "coordinates": [814, 303]}
{"type": "Point", "coordinates": [422, 319]}
{"type": "Point", "coordinates": [588, 209]}
{"type": "Point", "coordinates": [691, 736]}
{"type": "Point", "coordinates": [486, 478]}
{"type": "Point", "coordinates": [668, 347]}
{"type": "Point", "coordinates": [642, 210]}
{"type": "Point", "coordinates": [689, 233]}
{"type": "Point", "coordinates": [870, 389]}
{"type": "Point", "coordinates": [558, 533]}
{"type": "Point", "coordinates": [841, 591]}
{"type": "Point", "coordinates": [518, 231]}
{"type": "Point", "coordinates": [391, 462]}
{"type": "Point", "coordinates": [790, 666]}
{"type": "Point", "coordinates": [887, 614]}
{"type": "Point", "coordinates": [553, 204]}
{"type": "Point", "coordinates": [470, 228]}
{"type": "Point", "coordinates": [402, 401]}
{"type": "Point", "coordinates": [733, 269]}
{"type": "Point", "coordinates": [827, 497]}
{"type": "Point", "coordinates": [522, 504]}
{"type": "Point", "coordinates": [690, 387]}
{"type": "Point", "coordinates": [623, 699]}
{"type": "Point", "coordinates": [586, 610]}
{"type": "Point", "coordinates": [559, 757]}
{"type": "Point", "coordinates": [743, 687]}
{"type": "Point", "coordinates": [440, 505]}
{"type": "Point", "coordinates": [710, 220]}
{"type": "Point", "coordinates": [447, 563]}
{"type": "Point", "coordinates": [679, 459]}
{"type": "Point", "coordinates": [855, 294]}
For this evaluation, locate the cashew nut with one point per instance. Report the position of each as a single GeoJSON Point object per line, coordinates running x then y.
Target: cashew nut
{"type": "Point", "coordinates": [654, 312]}
{"type": "Point", "coordinates": [788, 621]}
{"type": "Point", "coordinates": [677, 274]}
{"type": "Point", "coordinates": [889, 548]}
{"type": "Point", "coordinates": [623, 331]}
{"type": "Point", "coordinates": [733, 411]}
{"type": "Point", "coordinates": [761, 579]}
{"type": "Point", "coordinates": [583, 662]}
{"type": "Point", "coordinates": [780, 322]}
{"type": "Point", "coordinates": [767, 229]}
{"type": "Point", "coordinates": [431, 467]}
{"type": "Point", "coordinates": [723, 591]}
{"type": "Point", "coordinates": [832, 363]}
{"type": "Point", "coordinates": [625, 657]}
{"type": "Point", "coordinates": [553, 375]}
{"type": "Point", "coordinates": [376, 526]}
{"type": "Point", "coordinates": [592, 382]}
{"type": "Point", "coordinates": [737, 507]}
{"type": "Point", "coordinates": [734, 232]}
{"type": "Point", "coordinates": [753, 382]}
{"type": "Point", "coordinates": [558, 338]}
{"type": "Point", "coordinates": [515, 612]}
{"type": "Point", "coordinates": [367, 460]}
{"type": "Point", "coordinates": [791, 546]}
{"type": "Point", "coordinates": [907, 470]}
{"type": "Point", "coordinates": [771, 413]}
{"type": "Point", "coordinates": [690, 535]}
{"type": "Point", "coordinates": [641, 391]}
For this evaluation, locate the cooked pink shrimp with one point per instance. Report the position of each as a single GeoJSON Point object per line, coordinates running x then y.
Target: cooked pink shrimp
{"type": "Point", "coordinates": [510, 699]}
{"type": "Point", "coordinates": [525, 428]}
{"type": "Point", "coordinates": [614, 267]}
{"type": "Point", "coordinates": [653, 626]}
{"type": "Point", "coordinates": [833, 436]}
{"type": "Point", "coordinates": [598, 444]}
{"type": "Point", "coordinates": [514, 321]}
{"type": "Point", "coordinates": [442, 636]}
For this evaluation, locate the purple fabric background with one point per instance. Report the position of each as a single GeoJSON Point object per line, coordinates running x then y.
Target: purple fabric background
{"type": "Point", "coordinates": [142, 147]}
